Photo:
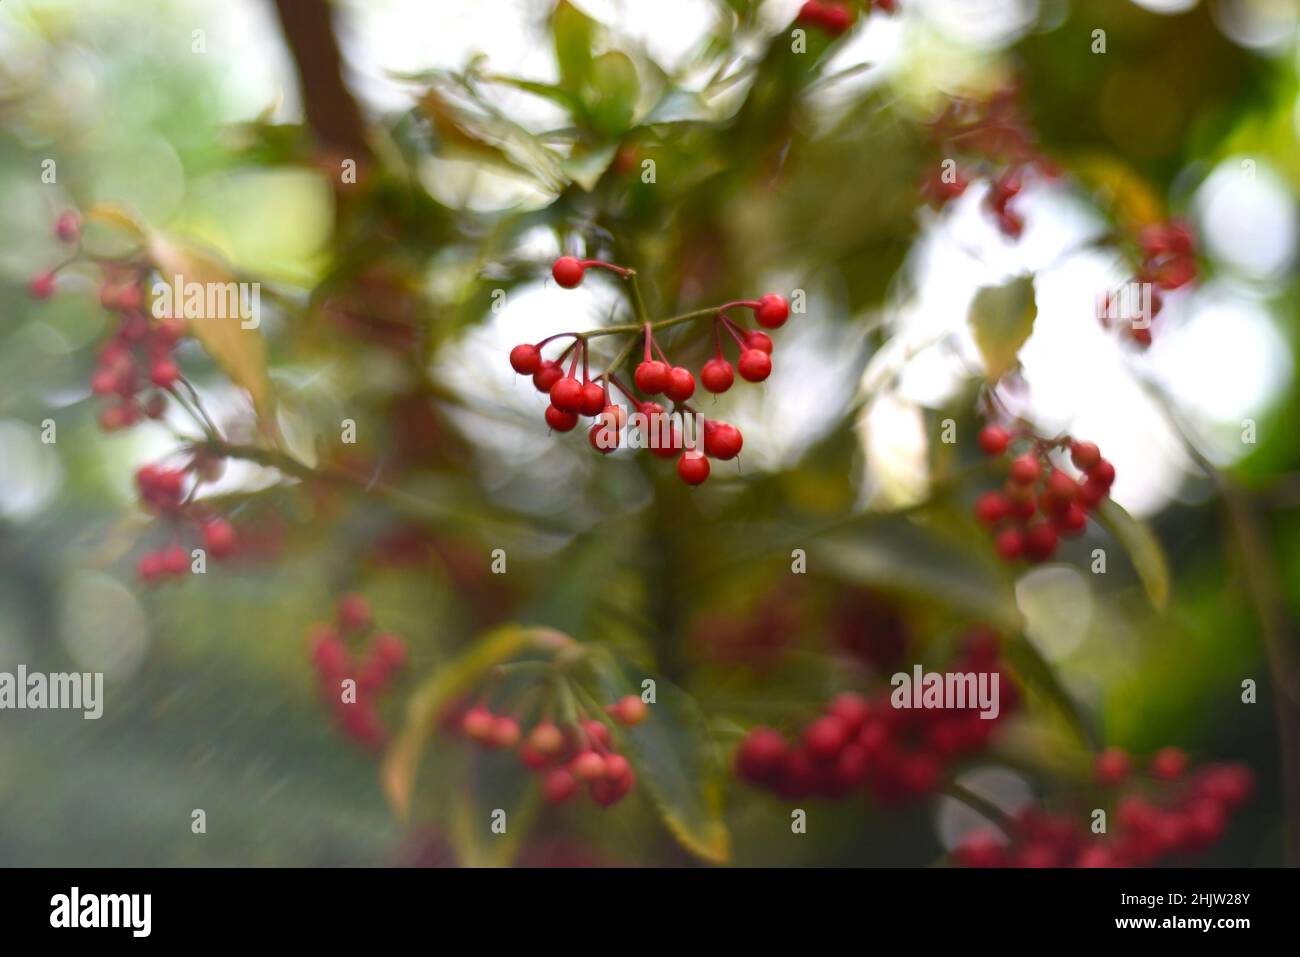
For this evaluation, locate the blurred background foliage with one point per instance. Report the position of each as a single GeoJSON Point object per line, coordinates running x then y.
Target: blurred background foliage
{"type": "Point", "coordinates": [490, 137]}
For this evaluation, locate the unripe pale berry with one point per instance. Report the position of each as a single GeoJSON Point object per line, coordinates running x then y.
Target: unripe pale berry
{"type": "Point", "coordinates": [479, 724]}
{"type": "Point", "coordinates": [587, 766]}
{"type": "Point", "coordinates": [547, 738]}
{"type": "Point", "coordinates": [505, 732]}
{"type": "Point", "coordinates": [717, 375]}
{"type": "Point", "coordinates": [772, 311]}
{"type": "Point", "coordinates": [568, 271]}
{"type": "Point", "coordinates": [754, 366]}
{"type": "Point", "coordinates": [525, 359]}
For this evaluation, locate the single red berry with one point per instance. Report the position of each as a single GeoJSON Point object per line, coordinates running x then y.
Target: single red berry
{"type": "Point", "coordinates": [587, 766]}
{"type": "Point", "coordinates": [1060, 489]}
{"type": "Point", "coordinates": [722, 440]}
{"type": "Point", "coordinates": [603, 438]}
{"type": "Point", "coordinates": [151, 566]}
{"type": "Point", "coordinates": [532, 758]}
{"type": "Point", "coordinates": [1168, 764]}
{"type": "Point", "coordinates": [164, 373]}
{"type": "Point", "coordinates": [1084, 455]}
{"type": "Point", "coordinates": [761, 755]}
{"type": "Point", "coordinates": [772, 310]}
{"type": "Point", "coordinates": [219, 537]}
{"type": "Point", "coordinates": [560, 420]}
{"type": "Point", "coordinates": [758, 340]}
{"type": "Point", "coordinates": [596, 733]}
{"type": "Point", "coordinates": [505, 732]}
{"type": "Point", "coordinates": [754, 366]}
{"type": "Point", "coordinates": [681, 384]}
{"type": "Point", "coordinates": [389, 650]}
{"type": "Point", "coordinates": [852, 709]}
{"type": "Point", "coordinates": [825, 737]}
{"type": "Point", "coordinates": [558, 786]}
{"type": "Point", "coordinates": [354, 613]}
{"type": "Point", "coordinates": [568, 271]}
{"type": "Point", "coordinates": [693, 467]}
{"type": "Point", "coordinates": [652, 376]}
{"type": "Point", "coordinates": [1072, 521]}
{"type": "Point", "coordinates": [1040, 542]}
{"type": "Point", "coordinates": [1103, 473]}
{"type": "Point", "coordinates": [478, 724]}
{"type": "Point", "coordinates": [546, 738]}
{"type": "Point", "coordinates": [176, 560]}
{"type": "Point", "coordinates": [68, 226]}
{"type": "Point", "coordinates": [617, 767]}
{"type": "Point", "coordinates": [717, 374]}
{"type": "Point", "coordinates": [994, 439]}
{"type": "Point", "coordinates": [1090, 494]}
{"type": "Point", "coordinates": [1010, 544]}
{"type": "Point", "coordinates": [630, 710]}
{"type": "Point", "coordinates": [991, 508]}
{"type": "Point", "coordinates": [981, 849]}
{"type": "Point", "coordinates": [525, 359]}
{"type": "Point", "coordinates": [1113, 766]}
{"type": "Point", "coordinates": [593, 399]}
{"type": "Point", "coordinates": [547, 374]}
{"type": "Point", "coordinates": [41, 287]}
{"type": "Point", "coordinates": [1025, 469]}
{"type": "Point", "coordinates": [566, 395]}
{"type": "Point", "coordinates": [613, 416]}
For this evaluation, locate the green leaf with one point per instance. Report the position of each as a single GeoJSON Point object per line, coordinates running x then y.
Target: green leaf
{"type": "Point", "coordinates": [488, 782]}
{"type": "Point", "coordinates": [443, 687]}
{"type": "Point", "coordinates": [574, 33]}
{"type": "Point", "coordinates": [1002, 317]}
{"type": "Point", "coordinates": [549, 91]}
{"type": "Point", "coordinates": [676, 760]}
{"type": "Point", "coordinates": [586, 166]}
{"type": "Point", "coordinates": [1143, 549]}
{"type": "Point", "coordinates": [616, 88]}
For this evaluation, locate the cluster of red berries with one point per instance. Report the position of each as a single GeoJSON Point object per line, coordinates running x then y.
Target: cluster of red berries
{"type": "Point", "coordinates": [571, 397]}
{"type": "Point", "coordinates": [1168, 262]}
{"type": "Point", "coordinates": [1040, 503]}
{"type": "Point", "coordinates": [138, 356]}
{"type": "Point", "coordinates": [373, 671]}
{"type": "Point", "coordinates": [163, 491]}
{"type": "Point", "coordinates": [895, 754]}
{"type": "Point", "coordinates": [997, 145]}
{"type": "Point", "coordinates": [837, 17]}
{"type": "Point", "coordinates": [1173, 812]}
{"type": "Point", "coordinates": [566, 757]}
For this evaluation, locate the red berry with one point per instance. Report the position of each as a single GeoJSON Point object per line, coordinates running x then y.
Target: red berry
{"type": "Point", "coordinates": [722, 440]}
{"type": "Point", "coordinates": [479, 724]}
{"type": "Point", "coordinates": [560, 420]}
{"type": "Point", "coordinates": [681, 384]}
{"type": "Point", "coordinates": [1090, 494]}
{"type": "Point", "coordinates": [505, 732]}
{"type": "Point", "coordinates": [566, 395]}
{"type": "Point", "coordinates": [991, 508]}
{"type": "Point", "coordinates": [630, 710]}
{"type": "Point", "coordinates": [68, 226]}
{"type": "Point", "coordinates": [176, 560]}
{"type": "Point", "coordinates": [758, 340]}
{"type": "Point", "coordinates": [596, 733]}
{"type": "Point", "coordinates": [1168, 764]}
{"type": "Point", "coordinates": [717, 374]}
{"type": "Point", "coordinates": [852, 709]}
{"type": "Point", "coordinates": [546, 738]}
{"type": "Point", "coordinates": [1113, 766]}
{"type": "Point", "coordinates": [772, 310]}
{"type": "Point", "coordinates": [1103, 473]}
{"type": "Point", "coordinates": [1072, 521]}
{"type": "Point", "coordinates": [994, 439]}
{"type": "Point", "coordinates": [558, 786]}
{"type": "Point", "coordinates": [1084, 455]}
{"type": "Point", "coordinates": [164, 373]}
{"type": "Point", "coordinates": [617, 767]}
{"type": "Point", "coordinates": [754, 366]}
{"type": "Point", "coordinates": [547, 374]}
{"type": "Point", "coordinates": [593, 399]}
{"type": "Point", "coordinates": [603, 438]}
{"type": "Point", "coordinates": [1040, 542]}
{"type": "Point", "coordinates": [389, 650]}
{"type": "Point", "coordinates": [151, 566]}
{"type": "Point", "coordinates": [42, 287]}
{"type": "Point", "coordinates": [693, 467]}
{"type": "Point", "coordinates": [1060, 490]}
{"type": "Point", "coordinates": [587, 766]}
{"type": "Point", "coordinates": [981, 849]}
{"type": "Point", "coordinates": [156, 406]}
{"type": "Point", "coordinates": [525, 359]}
{"type": "Point", "coordinates": [568, 271]}
{"type": "Point", "coordinates": [1010, 544]}
{"type": "Point", "coordinates": [825, 737]}
{"type": "Point", "coordinates": [354, 613]}
{"type": "Point", "coordinates": [1025, 469]}
{"type": "Point", "coordinates": [761, 755]}
{"type": "Point", "coordinates": [219, 537]}
{"type": "Point", "coordinates": [652, 376]}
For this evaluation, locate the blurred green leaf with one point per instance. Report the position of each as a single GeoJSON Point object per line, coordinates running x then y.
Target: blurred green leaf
{"type": "Point", "coordinates": [574, 32]}
{"type": "Point", "coordinates": [1002, 318]}
{"type": "Point", "coordinates": [586, 166]}
{"type": "Point", "coordinates": [676, 760]}
{"type": "Point", "coordinates": [1143, 549]}
{"type": "Point", "coordinates": [615, 88]}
